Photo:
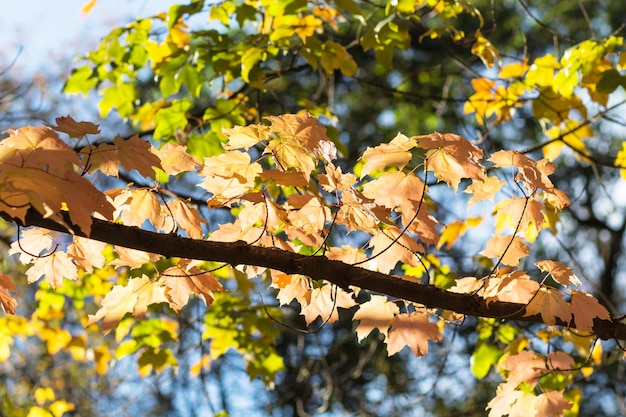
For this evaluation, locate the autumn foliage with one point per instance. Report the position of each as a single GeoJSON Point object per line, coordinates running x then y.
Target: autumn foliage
{"type": "Point", "coordinates": [277, 206]}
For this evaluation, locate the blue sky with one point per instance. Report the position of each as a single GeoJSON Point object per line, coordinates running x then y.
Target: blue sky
{"type": "Point", "coordinates": [47, 31]}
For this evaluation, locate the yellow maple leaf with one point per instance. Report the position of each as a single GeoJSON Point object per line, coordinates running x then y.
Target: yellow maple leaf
{"type": "Point", "coordinates": [395, 153]}
{"type": "Point", "coordinates": [132, 298]}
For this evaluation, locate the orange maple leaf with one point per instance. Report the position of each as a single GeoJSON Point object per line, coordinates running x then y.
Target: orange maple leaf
{"type": "Point", "coordinates": [413, 330]}
{"type": "Point", "coordinates": [551, 305]}
{"type": "Point", "coordinates": [510, 249]}
{"type": "Point", "coordinates": [561, 273]}
{"type": "Point", "coordinates": [306, 131]}
{"type": "Point", "coordinates": [323, 302]}
{"type": "Point", "coordinates": [376, 313]}
{"type": "Point", "coordinates": [175, 159]}
{"type": "Point", "coordinates": [396, 189]}
{"type": "Point", "coordinates": [186, 217]}
{"type": "Point", "coordinates": [395, 153]}
{"type": "Point", "coordinates": [245, 137]}
{"type": "Point", "coordinates": [138, 154]}
{"type": "Point", "coordinates": [183, 280]}
{"type": "Point", "coordinates": [483, 189]}
{"type": "Point", "coordinates": [552, 403]}
{"type": "Point", "coordinates": [74, 129]}
{"type": "Point", "coordinates": [452, 157]}
{"type": "Point", "coordinates": [335, 180]}
{"type": "Point", "coordinates": [585, 308]}
{"type": "Point", "coordinates": [387, 251]}
{"type": "Point", "coordinates": [7, 302]}
{"type": "Point", "coordinates": [37, 147]}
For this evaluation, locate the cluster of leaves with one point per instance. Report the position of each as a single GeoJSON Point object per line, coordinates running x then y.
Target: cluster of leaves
{"type": "Point", "coordinates": [278, 184]}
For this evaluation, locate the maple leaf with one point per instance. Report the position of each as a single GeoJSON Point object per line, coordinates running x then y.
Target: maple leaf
{"type": "Point", "coordinates": [54, 267]}
{"type": "Point", "coordinates": [31, 243]}
{"type": "Point", "coordinates": [291, 287]}
{"type": "Point", "coordinates": [347, 254]}
{"type": "Point", "coordinates": [551, 305]}
{"type": "Point", "coordinates": [396, 189]}
{"type": "Point", "coordinates": [523, 214]}
{"type": "Point", "coordinates": [183, 280]}
{"type": "Point", "coordinates": [512, 402]}
{"type": "Point", "coordinates": [395, 153]}
{"type": "Point", "coordinates": [585, 308]}
{"type": "Point", "coordinates": [323, 302]}
{"type": "Point", "coordinates": [87, 253]}
{"type": "Point", "coordinates": [358, 212]}
{"type": "Point", "coordinates": [245, 137]}
{"type": "Point", "coordinates": [37, 147]}
{"type": "Point", "coordinates": [413, 330]}
{"type": "Point", "coordinates": [455, 230]}
{"type": "Point", "coordinates": [306, 131]}
{"type": "Point", "coordinates": [132, 258]}
{"type": "Point", "coordinates": [140, 205]}
{"type": "Point", "coordinates": [83, 199]}
{"type": "Point", "coordinates": [515, 287]}
{"type": "Point", "coordinates": [175, 159]}
{"type": "Point", "coordinates": [132, 298]}
{"type": "Point", "coordinates": [452, 157]}
{"type": "Point", "coordinates": [386, 253]}
{"type": "Point", "coordinates": [7, 302]}
{"type": "Point", "coordinates": [102, 158]}
{"type": "Point", "coordinates": [483, 189]}
{"type": "Point", "coordinates": [552, 403]}
{"type": "Point", "coordinates": [560, 361]}
{"type": "Point", "coordinates": [525, 366]}
{"type": "Point", "coordinates": [289, 178]}
{"type": "Point", "coordinates": [335, 180]}
{"type": "Point", "coordinates": [376, 313]}
{"type": "Point", "coordinates": [138, 154]}
{"type": "Point", "coordinates": [510, 249]}
{"type": "Point", "coordinates": [74, 129]}
{"type": "Point", "coordinates": [307, 212]}
{"type": "Point", "coordinates": [187, 218]}
{"type": "Point", "coordinates": [561, 273]}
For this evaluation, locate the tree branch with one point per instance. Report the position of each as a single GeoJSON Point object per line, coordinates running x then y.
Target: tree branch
{"type": "Point", "coordinates": [315, 267]}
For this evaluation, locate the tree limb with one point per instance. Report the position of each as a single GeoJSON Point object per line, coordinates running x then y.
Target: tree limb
{"type": "Point", "coordinates": [315, 267]}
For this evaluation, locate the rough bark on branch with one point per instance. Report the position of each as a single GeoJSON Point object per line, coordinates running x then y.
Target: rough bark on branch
{"type": "Point", "coordinates": [315, 267]}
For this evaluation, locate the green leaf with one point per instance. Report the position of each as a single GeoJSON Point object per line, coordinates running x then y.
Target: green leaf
{"type": "Point", "coordinates": [610, 81]}
{"type": "Point", "coordinates": [248, 60]}
{"type": "Point", "coordinates": [82, 80]}
{"type": "Point", "coordinates": [120, 96]}
{"type": "Point", "coordinates": [170, 119]}
{"type": "Point", "coordinates": [177, 11]}
{"type": "Point", "coordinates": [484, 357]}
{"type": "Point", "coordinates": [192, 78]}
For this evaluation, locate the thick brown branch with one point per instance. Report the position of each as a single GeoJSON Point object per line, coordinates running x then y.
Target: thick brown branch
{"type": "Point", "coordinates": [316, 267]}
